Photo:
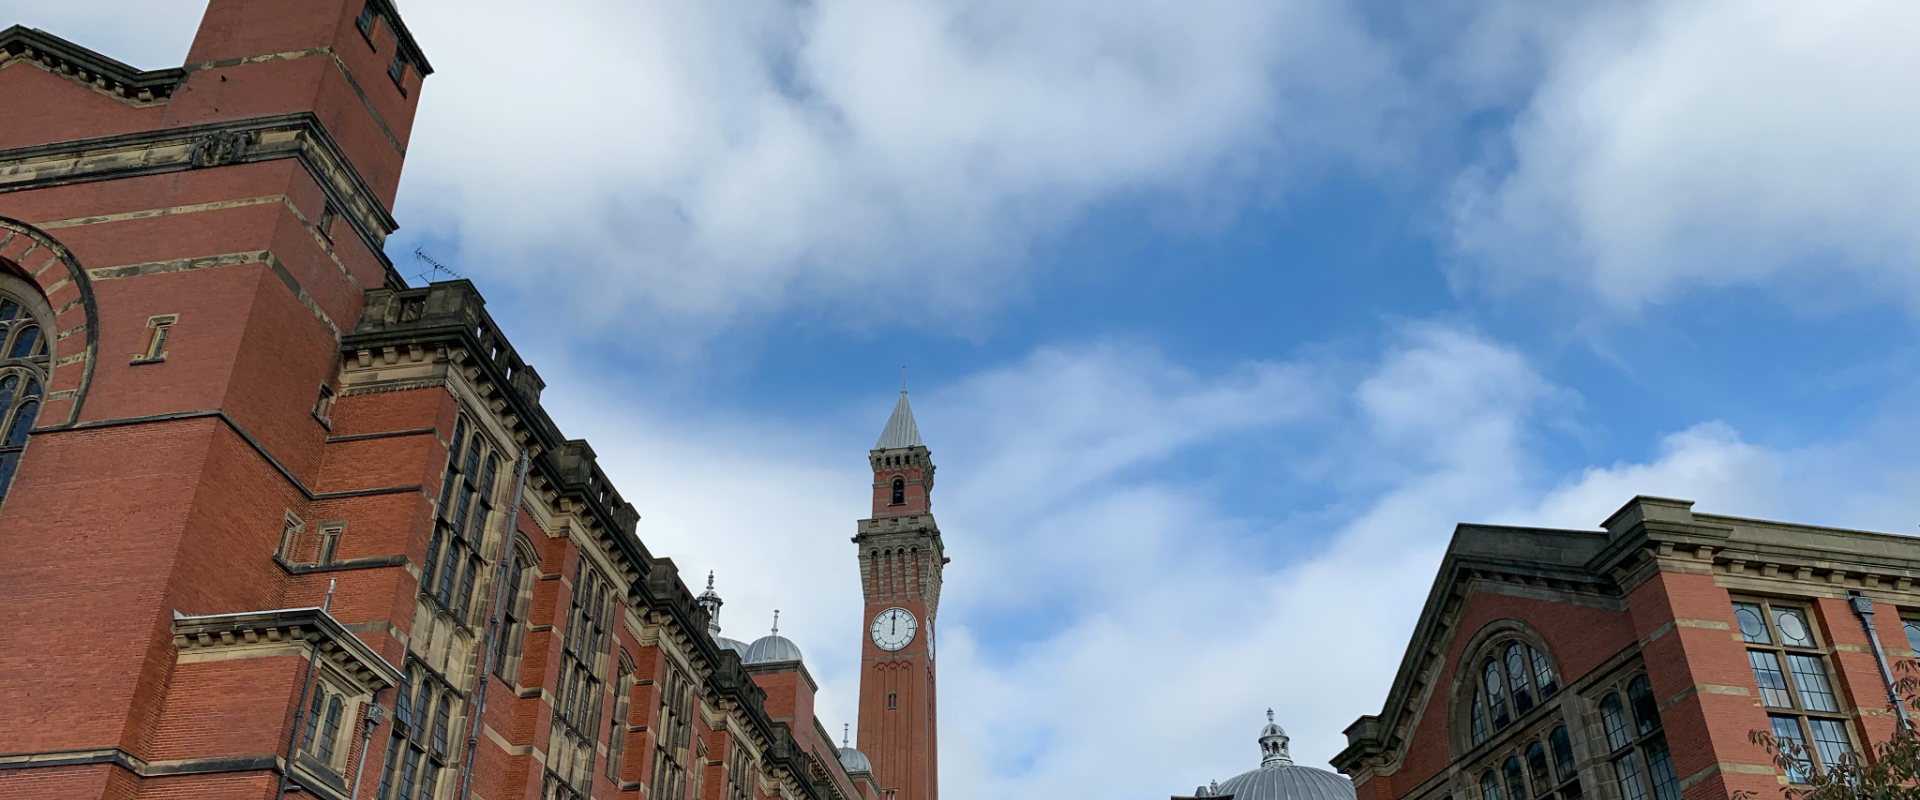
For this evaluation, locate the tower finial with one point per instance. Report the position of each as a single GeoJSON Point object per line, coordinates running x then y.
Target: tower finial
{"type": "Point", "coordinates": [776, 622]}
{"type": "Point", "coordinates": [903, 379]}
{"type": "Point", "coordinates": [1273, 744]}
{"type": "Point", "coordinates": [710, 600]}
{"type": "Point", "coordinates": [846, 734]}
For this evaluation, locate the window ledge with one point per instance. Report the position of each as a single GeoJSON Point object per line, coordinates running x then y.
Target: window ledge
{"type": "Point", "coordinates": [341, 565]}
{"type": "Point", "coordinates": [139, 361]}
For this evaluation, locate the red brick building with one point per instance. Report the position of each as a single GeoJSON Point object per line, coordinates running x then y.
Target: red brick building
{"type": "Point", "coordinates": [1634, 662]}
{"type": "Point", "coordinates": [276, 523]}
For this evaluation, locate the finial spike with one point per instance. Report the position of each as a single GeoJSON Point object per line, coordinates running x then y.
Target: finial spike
{"type": "Point", "coordinates": [709, 580]}
{"type": "Point", "coordinates": [903, 379]}
{"type": "Point", "coordinates": [846, 733]}
{"type": "Point", "coordinates": [776, 622]}
{"type": "Point", "coordinates": [1269, 715]}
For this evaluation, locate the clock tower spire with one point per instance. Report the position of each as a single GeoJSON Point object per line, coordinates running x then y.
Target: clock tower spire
{"type": "Point", "coordinates": [901, 560]}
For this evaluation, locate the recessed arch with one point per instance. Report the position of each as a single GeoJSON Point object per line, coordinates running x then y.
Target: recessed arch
{"type": "Point", "coordinates": [38, 261]}
{"type": "Point", "coordinates": [1487, 670]}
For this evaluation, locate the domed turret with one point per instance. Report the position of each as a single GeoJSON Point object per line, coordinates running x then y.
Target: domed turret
{"type": "Point", "coordinates": [710, 600]}
{"type": "Point", "coordinates": [850, 759]}
{"type": "Point", "coordinates": [772, 648]}
{"type": "Point", "coordinates": [1273, 744]}
{"type": "Point", "coordinates": [1278, 778]}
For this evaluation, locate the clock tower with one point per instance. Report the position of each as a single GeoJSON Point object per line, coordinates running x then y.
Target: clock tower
{"type": "Point", "coordinates": [901, 559]}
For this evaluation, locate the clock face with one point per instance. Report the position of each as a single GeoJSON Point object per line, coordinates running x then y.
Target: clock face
{"type": "Point", "coordinates": [894, 628]}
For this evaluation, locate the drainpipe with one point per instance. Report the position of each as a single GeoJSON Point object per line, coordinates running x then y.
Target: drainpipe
{"type": "Point", "coordinates": [375, 713]}
{"type": "Point", "coordinates": [1863, 608]}
{"type": "Point", "coordinates": [490, 635]}
{"type": "Point", "coordinates": [298, 739]}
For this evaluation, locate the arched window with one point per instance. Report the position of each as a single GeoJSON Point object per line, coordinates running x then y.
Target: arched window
{"type": "Point", "coordinates": [23, 373]}
{"type": "Point", "coordinates": [899, 491]}
{"type": "Point", "coordinates": [1637, 747]}
{"type": "Point", "coordinates": [1489, 786]}
{"type": "Point", "coordinates": [1514, 678]}
{"type": "Point", "coordinates": [1479, 718]}
{"type": "Point", "coordinates": [1563, 757]}
{"type": "Point", "coordinates": [1496, 695]}
{"type": "Point", "coordinates": [1541, 777]}
{"type": "Point", "coordinates": [1516, 784]}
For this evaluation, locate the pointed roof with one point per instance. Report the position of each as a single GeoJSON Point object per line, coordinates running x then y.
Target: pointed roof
{"type": "Point", "coordinates": [900, 430]}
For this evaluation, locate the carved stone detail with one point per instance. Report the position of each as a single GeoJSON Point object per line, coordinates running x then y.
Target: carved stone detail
{"type": "Point", "coordinates": [220, 148]}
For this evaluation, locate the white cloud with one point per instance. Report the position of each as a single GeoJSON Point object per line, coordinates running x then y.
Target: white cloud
{"type": "Point", "coordinates": [1677, 145]}
{"type": "Point", "coordinates": [1114, 621]}
{"type": "Point", "coordinates": [697, 159]}
{"type": "Point", "coordinates": [679, 165]}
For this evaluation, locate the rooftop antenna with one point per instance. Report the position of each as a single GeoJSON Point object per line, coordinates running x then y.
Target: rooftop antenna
{"type": "Point", "coordinates": [434, 267]}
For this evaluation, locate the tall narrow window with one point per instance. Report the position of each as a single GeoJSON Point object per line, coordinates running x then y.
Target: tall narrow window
{"type": "Point", "coordinates": [323, 405]}
{"type": "Point", "coordinates": [1637, 746]}
{"type": "Point", "coordinates": [364, 22]}
{"type": "Point", "coordinates": [1515, 678]}
{"type": "Point", "coordinates": [1478, 718]}
{"type": "Point", "coordinates": [1519, 683]}
{"type": "Point", "coordinates": [576, 713]}
{"type": "Point", "coordinates": [467, 492]}
{"type": "Point", "coordinates": [398, 72]}
{"type": "Point", "coordinates": [22, 374]}
{"type": "Point", "coordinates": [159, 329]}
{"type": "Point", "coordinates": [330, 541]}
{"type": "Point", "coordinates": [329, 730]}
{"type": "Point", "coordinates": [899, 492]}
{"type": "Point", "coordinates": [1563, 766]}
{"type": "Point", "coordinates": [1516, 783]}
{"type": "Point", "coordinates": [423, 730]}
{"type": "Point", "coordinates": [1537, 770]}
{"type": "Point", "coordinates": [617, 727]}
{"type": "Point", "coordinates": [673, 719]}
{"type": "Point", "coordinates": [739, 770]}
{"type": "Point", "coordinates": [513, 623]}
{"type": "Point", "coordinates": [1496, 695]}
{"type": "Point", "coordinates": [1789, 667]}
{"type": "Point", "coordinates": [293, 539]}
{"type": "Point", "coordinates": [325, 226]}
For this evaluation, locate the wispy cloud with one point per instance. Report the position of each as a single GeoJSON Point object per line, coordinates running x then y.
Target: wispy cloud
{"type": "Point", "coordinates": [1114, 567]}
{"type": "Point", "coordinates": [695, 161]}
{"type": "Point", "coordinates": [1675, 146]}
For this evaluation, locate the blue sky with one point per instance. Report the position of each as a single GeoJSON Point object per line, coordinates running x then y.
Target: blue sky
{"type": "Point", "coordinates": [1217, 315]}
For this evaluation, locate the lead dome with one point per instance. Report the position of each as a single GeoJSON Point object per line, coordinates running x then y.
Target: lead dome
{"type": "Point", "coordinates": [1278, 778]}
{"type": "Point", "coordinates": [771, 648]}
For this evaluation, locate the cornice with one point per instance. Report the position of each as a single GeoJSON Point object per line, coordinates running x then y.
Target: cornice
{"type": "Point", "coordinates": [450, 318]}
{"type": "Point", "coordinates": [384, 9]}
{"type": "Point", "coordinates": [1646, 537]}
{"type": "Point", "coordinates": [134, 86]}
{"type": "Point", "coordinates": [1536, 559]}
{"type": "Point", "coordinates": [298, 136]}
{"type": "Point", "coordinates": [312, 626]}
